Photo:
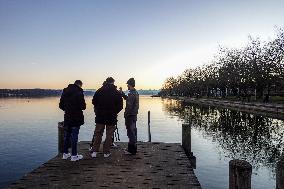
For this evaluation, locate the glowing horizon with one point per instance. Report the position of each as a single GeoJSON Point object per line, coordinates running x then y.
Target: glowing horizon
{"type": "Point", "coordinates": [49, 44]}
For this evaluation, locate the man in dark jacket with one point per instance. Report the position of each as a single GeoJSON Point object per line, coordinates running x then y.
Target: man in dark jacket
{"type": "Point", "coordinates": [130, 115]}
{"type": "Point", "coordinates": [72, 102]}
{"type": "Point", "coordinates": [107, 103]}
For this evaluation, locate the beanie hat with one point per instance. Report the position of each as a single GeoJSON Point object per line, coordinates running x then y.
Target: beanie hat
{"type": "Point", "coordinates": [131, 82]}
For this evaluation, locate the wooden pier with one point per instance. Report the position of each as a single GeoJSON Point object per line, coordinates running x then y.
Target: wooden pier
{"type": "Point", "coordinates": [156, 165]}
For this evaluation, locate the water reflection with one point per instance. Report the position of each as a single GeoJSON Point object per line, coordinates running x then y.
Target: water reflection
{"type": "Point", "coordinates": [257, 139]}
{"type": "Point", "coordinates": [28, 128]}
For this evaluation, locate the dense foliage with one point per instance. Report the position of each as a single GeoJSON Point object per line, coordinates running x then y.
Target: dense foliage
{"type": "Point", "coordinates": [254, 70]}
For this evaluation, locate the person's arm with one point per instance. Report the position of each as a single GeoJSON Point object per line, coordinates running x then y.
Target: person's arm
{"type": "Point", "coordinates": [61, 102]}
{"type": "Point", "coordinates": [119, 102]}
{"type": "Point", "coordinates": [95, 100]}
{"type": "Point", "coordinates": [136, 105]}
{"type": "Point", "coordinates": [124, 96]}
{"type": "Point", "coordinates": [82, 101]}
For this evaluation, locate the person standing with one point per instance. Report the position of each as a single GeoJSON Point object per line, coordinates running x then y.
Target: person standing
{"type": "Point", "coordinates": [72, 102]}
{"type": "Point", "coordinates": [113, 145]}
{"type": "Point", "coordinates": [130, 115]}
{"type": "Point", "coordinates": [107, 103]}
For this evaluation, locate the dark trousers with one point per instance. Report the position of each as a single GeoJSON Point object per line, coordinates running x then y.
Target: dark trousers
{"type": "Point", "coordinates": [71, 133]}
{"type": "Point", "coordinates": [130, 123]}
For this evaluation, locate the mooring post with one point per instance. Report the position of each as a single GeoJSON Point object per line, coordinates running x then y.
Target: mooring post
{"type": "Point", "coordinates": [60, 136]}
{"type": "Point", "coordinates": [280, 175]}
{"type": "Point", "coordinates": [186, 144]}
{"type": "Point", "coordinates": [186, 138]}
{"type": "Point", "coordinates": [239, 174]}
{"type": "Point", "coordinates": [149, 128]}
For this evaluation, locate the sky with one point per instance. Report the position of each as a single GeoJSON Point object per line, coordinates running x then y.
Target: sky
{"type": "Point", "coordinates": [49, 44]}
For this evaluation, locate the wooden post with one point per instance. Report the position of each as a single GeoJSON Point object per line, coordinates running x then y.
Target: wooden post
{"type": "Point", "coordinates": [149, 128]}
{"type": "Point", "coordinates": [186, 139]}
{"type": "Point", "coordinates": [186, 144]}
{"type": "Point", "coordinates": [255, 94]}
{"type": "Point", "coordinates": [239, 174]}
{"type": "Point", "coordinates": [60, 136]}
{"type": "Point", "coordinates": [280, 175]}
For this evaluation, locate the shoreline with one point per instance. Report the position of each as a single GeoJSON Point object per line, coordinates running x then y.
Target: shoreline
{"type": "Point", "coordinates": [266, 109]}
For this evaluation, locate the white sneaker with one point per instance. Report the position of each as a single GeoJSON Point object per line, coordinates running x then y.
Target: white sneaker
{"type": "Point", "coordinates": [113, 145]}
{"type": "Point", "coordinates": [76, 158]}
{"type": "Point", "coordinates": [126, 152]}
{"type": "Point", "coordinates": [106, 155]}
{"type": "Point", "coordinates": [94, 154]}
{"type": "Point", "coordinates": [66, 156]}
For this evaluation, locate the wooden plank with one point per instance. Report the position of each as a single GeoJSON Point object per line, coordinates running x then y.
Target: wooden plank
{"type": "Point", "coordinates": [156, 165]}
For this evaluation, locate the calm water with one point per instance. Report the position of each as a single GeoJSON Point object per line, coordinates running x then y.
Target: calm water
{"type": "Point", "coordinates": [28, 137]}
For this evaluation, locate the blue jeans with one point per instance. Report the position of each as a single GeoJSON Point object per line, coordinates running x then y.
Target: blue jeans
{"type": "Point", "coordinates": [72, 133]}
{"type": "Point", "coordinates": [132, 133]}
{"type": "Point", "coordinates": [130, 123]}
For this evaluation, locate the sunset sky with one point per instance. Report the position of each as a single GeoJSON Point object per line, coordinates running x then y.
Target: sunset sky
{"type": "Point", "coordinates": [48, 44]}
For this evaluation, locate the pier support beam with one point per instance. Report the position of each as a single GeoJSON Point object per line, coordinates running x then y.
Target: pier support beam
{"type": "Point", "coordinates": [186, 143]}
{"type": "Point", "coordinates": [186, 138]}
{"type": "Point", "coordinates": [60, 136]}
{"type": "Point", "coordinates": [239, 174]}
{"type": "Point", "coordinates": [149, 127]}
{"type": "Point", "coordinates": [280, 175]}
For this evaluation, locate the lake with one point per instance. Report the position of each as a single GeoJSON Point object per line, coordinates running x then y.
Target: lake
{"type": "Point", "coordinates": [28, 136]}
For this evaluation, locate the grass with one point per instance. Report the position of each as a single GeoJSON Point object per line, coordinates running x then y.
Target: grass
{"type": "Point", "coordinates": [278, 99]}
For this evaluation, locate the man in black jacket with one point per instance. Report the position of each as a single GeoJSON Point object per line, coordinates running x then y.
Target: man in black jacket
{"type": "Point", "coordinates": [107, 103]}
{"type": "Point", "coordinates": [72, 102]}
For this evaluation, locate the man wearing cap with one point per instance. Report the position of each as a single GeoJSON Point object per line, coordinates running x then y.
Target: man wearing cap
{"type": "Point", "coordinates": [107, 103]}
{"type": "Point", "coordinates": [130, 115]}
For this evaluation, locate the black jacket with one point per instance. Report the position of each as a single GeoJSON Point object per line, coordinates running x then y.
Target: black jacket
{"type": "Point", "coordinates": [73, 103]}
{"type": "Point", "coordinates": [107, 103]}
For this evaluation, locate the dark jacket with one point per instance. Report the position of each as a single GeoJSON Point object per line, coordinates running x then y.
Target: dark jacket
{"type": "Point", "coordinates": [72, 102]}
{"type": "Point", "coordinates": [132, 103]}
{"type": "Point", "coordinates": [107, 103]}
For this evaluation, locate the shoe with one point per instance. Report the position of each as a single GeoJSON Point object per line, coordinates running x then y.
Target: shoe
{"type": "Point", "coordinates": [94, 154]}
{"type": "Point", "coordinates": [91, 149]}
{"type": "Point", "coordinates": [113, 145]}
{"type": "Point", "coordinates": [76, 158]}
{"type": "Point", "coordinates": [126, 152]}
{"type": "Point", "coordinates": [66, 156]}
{"type": "Point", "coordinates": [106, 155]}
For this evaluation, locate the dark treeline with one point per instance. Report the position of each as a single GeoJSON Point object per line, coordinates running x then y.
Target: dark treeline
{"type": "Point", "coordinates": [254, 70]}
{"type": "Point", "coordinates": [25, 93]}
{"type": "Point", "coordinates": [29, 92]}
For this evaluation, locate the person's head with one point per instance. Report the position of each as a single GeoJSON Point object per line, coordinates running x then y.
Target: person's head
{"type": "Point", "coordinates": [110, 80]}
{"type": "Point", "coordinates": [78, 83]}
{"type": "Point", "coordinates": [130, 83]}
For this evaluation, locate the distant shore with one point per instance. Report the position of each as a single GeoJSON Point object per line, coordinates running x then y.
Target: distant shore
{"type": "Point", "coordinates": [31, 93]}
